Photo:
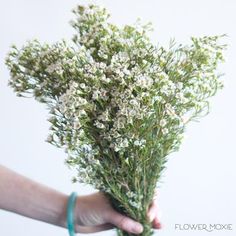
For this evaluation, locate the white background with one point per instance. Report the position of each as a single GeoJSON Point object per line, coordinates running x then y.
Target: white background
{"type": "Point", "coordinates": [199, 183]}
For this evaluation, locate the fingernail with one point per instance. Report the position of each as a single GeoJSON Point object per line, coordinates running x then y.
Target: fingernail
{"type": "Point", "coordinates": [137, 229]}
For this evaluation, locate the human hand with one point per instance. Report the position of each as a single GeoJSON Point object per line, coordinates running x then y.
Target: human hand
{"type": "Point", "coordinates": [94, 213]}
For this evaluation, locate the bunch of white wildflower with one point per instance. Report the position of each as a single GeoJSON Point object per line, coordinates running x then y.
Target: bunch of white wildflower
{"type": "Point", "coordinates": [119, 104]}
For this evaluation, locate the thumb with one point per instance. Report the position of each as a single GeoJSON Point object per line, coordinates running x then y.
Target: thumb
{"type": "Point", "coordinates": [125, 223]}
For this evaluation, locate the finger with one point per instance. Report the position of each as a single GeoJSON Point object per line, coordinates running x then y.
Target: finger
{"type": "Point", "coordinates": [94, 229]}
{"type": "Point", "coordinates": [153, 211]}
{"type": "Point", "coordinates": [125, 223]}
{"type": "Point", "coordinates": [156, 223]}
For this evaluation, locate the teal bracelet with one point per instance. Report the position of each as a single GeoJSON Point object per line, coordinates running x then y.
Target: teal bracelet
{"type": "Point", "coordinates": [70, 213]}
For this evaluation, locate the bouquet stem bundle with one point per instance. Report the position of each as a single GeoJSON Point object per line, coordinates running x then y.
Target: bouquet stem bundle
{"type": "Point", "coordinates": [118, 104]}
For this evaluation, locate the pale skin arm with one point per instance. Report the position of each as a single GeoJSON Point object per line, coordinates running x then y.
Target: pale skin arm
{"type": "Point", "coordinates": [93, 212]}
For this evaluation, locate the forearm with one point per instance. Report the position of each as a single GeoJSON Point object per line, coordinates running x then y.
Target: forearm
{"type": "Point", "coordinates": [23, 196]}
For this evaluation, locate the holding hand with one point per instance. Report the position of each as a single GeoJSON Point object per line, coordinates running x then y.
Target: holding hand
{"type": "Point", "coordinates": [94, 213]}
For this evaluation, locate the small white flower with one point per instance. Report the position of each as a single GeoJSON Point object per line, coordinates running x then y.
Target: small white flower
{"type": "Point", "coordinates": [131, 194]}
{"type": "Point", "coordinates": [106, 79]}
{"type": "Point", "coordinates": [165, 89]}
{"type": "Point", "coordinates": [49, 138]}
{"type": "Point", "coordinates": [165, 131]}
{"type": "Point", "coordinates": [81, 113]}
{"type": "Point", "coordinates": [135, 204]}
{"type": "Point", "coordinates": [136, 142]}
{"type": "Point", "coordinates": [120, 123]}
{"type": "Point", "coordinates": [121, 74]}
{"type": "Point", "coordinates": [74, 85]}
{"type": "Point", "coordinates": [124, 143]}
{"type": "Point", "coordinates": [179, 95]}
{"type": "Point", "coordinates": [54, 68]}
{"type": "Point", "coordinates": [96, 94]}
{"type": "Point", "coordinates": [179, 85]}
{"type": "Point", "coordinates": [156, 98]}
{"type": "Point", "coordinates": [139, 142]}
{"type": "Point", "coordinates": [99, 125]}
{"type": "Point", "coordinates": [126, 71]}
{"type": "Point", "coordinates": [168, 106]}
{"type": "Point", "coordinates": [77, 125]}
{"type": "Point", "coordinates": [134, 102]}
{"type": "Point", "coordinates": [144, 81]}
{"type": "Point", "coordinates": [52, 119]}
{"type": "Point", "coordinates": [83, 86]}
{"type": "Point", "coordinates": [163, 122]}
{"type": "Point", "coordinates": [80, 101]}
{"type": "Point", "coordinates": [102, 65]}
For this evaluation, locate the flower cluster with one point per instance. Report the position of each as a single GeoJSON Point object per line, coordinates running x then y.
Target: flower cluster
{"type": "Point", "coordinates": [118, 104]}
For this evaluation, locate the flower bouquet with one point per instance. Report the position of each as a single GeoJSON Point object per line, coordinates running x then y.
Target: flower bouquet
{"type": "Point", "coordinates": [118, 104]}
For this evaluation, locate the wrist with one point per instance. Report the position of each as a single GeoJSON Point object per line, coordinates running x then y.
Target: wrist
{"type": "Point", "coordinates": [62, 216]}
{"type": "Point", "coordinates": [77, 213]}
{"type": "Point", "coordinates": [80, 205]}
